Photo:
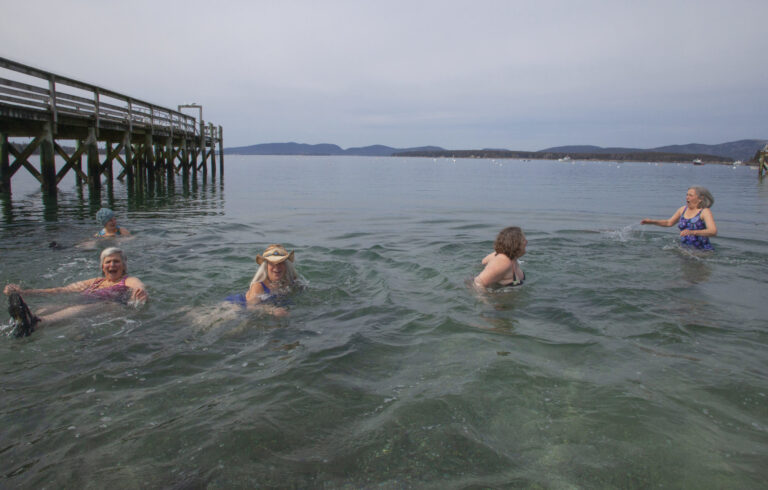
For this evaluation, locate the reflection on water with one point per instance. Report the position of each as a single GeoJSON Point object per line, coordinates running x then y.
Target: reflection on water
{"type": "Point", "coordinates": [81, 202]}
{"type": "Point", "coordinates": [623, 362]}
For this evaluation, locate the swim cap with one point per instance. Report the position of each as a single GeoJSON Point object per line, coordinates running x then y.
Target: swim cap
{"type": "Point", "coordinates": [104, 215]}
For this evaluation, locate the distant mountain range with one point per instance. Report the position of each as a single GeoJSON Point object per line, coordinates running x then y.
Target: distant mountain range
{"type": "Point", "coordinates": [743, 150]}
{"type": "Point", "coordinates": [322, 149]}
{"type": "Point", "coordinates": [735, 150]}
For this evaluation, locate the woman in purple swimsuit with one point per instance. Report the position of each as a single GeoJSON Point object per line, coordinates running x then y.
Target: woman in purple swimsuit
{"type": "Point", "coordinates": [115, 285]}
{"type": "Point", "coordinates": [694, 220]}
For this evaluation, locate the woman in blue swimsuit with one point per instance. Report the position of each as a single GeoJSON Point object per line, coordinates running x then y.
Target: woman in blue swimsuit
{"type": "Point", "coordinates": [271, 283]}
{"type": "Point", "coordinates": [694, 220]}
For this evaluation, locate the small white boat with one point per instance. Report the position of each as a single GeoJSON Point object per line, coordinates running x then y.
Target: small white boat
{"type": "Point", "coordinates": [697, 161]}
{"type": "Point", "coordinates": [566, 158]}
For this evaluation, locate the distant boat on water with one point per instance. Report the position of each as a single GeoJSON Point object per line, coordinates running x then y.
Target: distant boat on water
{"type": "Point", "coordinates": [697, 161]}
{"type": "Point", "coordinates": [566, 158]}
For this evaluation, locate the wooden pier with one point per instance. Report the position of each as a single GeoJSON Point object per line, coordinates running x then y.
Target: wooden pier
{"type": "Point", "coordinates": [147, 141]}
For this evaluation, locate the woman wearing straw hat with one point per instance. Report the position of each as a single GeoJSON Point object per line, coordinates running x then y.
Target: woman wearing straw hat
{"type": "Point", "coordinates": [272, 281]}
{"type": "Point", "coordinates": [106, 218]}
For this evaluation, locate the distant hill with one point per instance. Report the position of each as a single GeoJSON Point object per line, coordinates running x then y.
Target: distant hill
{"type": "Point", "coordinates": [285, 149]}
{"type": "Point", "coordinates": [633, 156]}
{"type": "Point", "coordinates": [736, 150]}
{"type": "Point", "coordinates": [323, 149]}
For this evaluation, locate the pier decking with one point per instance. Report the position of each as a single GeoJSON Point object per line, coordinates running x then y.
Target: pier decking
{"type": "Point", "coordinates": [148, 142]}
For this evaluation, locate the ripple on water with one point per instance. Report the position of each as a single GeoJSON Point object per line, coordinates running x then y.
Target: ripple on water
{"type": "Point", "coordinates": [622, 362]}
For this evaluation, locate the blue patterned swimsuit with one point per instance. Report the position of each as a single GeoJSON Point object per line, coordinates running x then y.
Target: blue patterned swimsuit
{"type": "Point", "coordinates": [695, 223]}
{"type": "Point", "coordinates": [268, 298]}
{"type": "Point", "coordinates": [103, 233]}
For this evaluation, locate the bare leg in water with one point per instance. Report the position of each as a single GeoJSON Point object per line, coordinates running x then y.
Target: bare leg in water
{"type": "Point", "coordinates": [50, 315]}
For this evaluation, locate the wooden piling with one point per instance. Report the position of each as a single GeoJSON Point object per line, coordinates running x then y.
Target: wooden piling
{"type": "Point", "coordinates": [79, 164]}
{"type": "Point", "coordinates": [92, 159]}
{"type": "Point", "coordinates": [212, 152]}
{"type": "Point", "coordinates": [170, 170]}
{"type": "Point", "coordinates": [149, 159]}
{"type": "Point", "coordinates": [47, 161]}
{"type": "Point", "coordinates": [221, 151]}
{"type": "Point", "coordinates": [107, 167]}
{"type": "Point", "coordinates": [159, 143]}
{"type": "Point", "coordinates": [184, 160]}
{"type": "Point", "coordinates": [129, 164]}
{"type": "Point", "coordinates": [5, 167]}
{"type": "Point", "coordinates": [203, 164]}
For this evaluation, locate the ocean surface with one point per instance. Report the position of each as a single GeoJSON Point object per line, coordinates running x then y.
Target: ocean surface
{"type": "Point", "coordinates": [623, 362]}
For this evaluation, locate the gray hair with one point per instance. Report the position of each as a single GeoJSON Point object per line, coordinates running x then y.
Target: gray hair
{"type": "Point", "coordinates": [114, 251]}
{"type": "Point", "coordinates": [706, 197]}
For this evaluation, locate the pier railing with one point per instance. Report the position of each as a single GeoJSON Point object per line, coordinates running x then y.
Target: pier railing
{"type": "Point", "coordinates": [53, 94]}
{"type": "Point", "coordinates": [45, 106]}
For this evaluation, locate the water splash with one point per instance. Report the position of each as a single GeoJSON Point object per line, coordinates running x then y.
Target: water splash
{"type": "Point", "coordinates": [624, 234]}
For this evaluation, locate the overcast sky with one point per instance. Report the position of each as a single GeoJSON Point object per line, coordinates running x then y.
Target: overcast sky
{"type": "Point", "coordinates": [522, 75]}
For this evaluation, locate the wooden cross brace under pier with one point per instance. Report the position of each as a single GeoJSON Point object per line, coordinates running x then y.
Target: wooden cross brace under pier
{"type": "Point", "coordinates": [146, 140]}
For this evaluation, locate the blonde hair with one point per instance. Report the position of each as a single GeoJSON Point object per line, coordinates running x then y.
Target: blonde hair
{"type": "Point", "coordinates": [290, 272]}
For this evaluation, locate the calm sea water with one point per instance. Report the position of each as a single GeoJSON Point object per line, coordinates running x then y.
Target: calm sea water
{"type": "Point", "coordinates": [623, 362]}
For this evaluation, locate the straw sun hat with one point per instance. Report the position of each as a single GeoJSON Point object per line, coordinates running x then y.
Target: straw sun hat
{"type": "Point", "coordinates": [275, 254]}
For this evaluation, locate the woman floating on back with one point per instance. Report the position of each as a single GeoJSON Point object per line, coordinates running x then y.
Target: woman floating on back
{"type": "Point", "coordinates": [694, 220]}
{"type": "Point", "coordinates": [501, 266]}
{"type": "Point", "coordinates": [114, 285]}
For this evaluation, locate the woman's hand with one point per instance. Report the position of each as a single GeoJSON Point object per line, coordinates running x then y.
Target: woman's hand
{"type": "Point", "coordinates": [138, 290]}
{"type": "Point", "coordinates": [140, 295]}
{"type": "Point", "coordinates": [11, 288]}
{"type": "Point", "coordinates": [687, 232]}
{"type": "Point", "coordinates": [278, 311]}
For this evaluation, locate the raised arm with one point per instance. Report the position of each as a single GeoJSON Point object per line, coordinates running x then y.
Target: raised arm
{"type": "Point", "coordinates": [75, 287]}
{"type": "Point", "coordinates": [664, 222]}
